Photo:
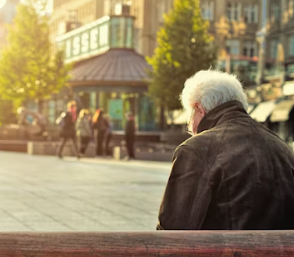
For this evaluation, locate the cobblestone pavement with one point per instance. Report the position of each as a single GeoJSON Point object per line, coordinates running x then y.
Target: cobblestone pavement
{"type": "Point", "coordinates": [48, 194]}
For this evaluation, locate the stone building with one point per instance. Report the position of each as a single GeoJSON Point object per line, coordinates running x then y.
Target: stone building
{"type": "Point", "coordinates": [7, 13]}
{"type": "Point", "coordinates": [274, 95]}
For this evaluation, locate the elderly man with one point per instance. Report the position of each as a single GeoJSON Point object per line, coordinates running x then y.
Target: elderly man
{"type": "Point", "coordinates": [233, 174]}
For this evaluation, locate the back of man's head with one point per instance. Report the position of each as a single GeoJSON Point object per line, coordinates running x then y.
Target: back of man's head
{"type": "Point", "coordinates": [212, 88]}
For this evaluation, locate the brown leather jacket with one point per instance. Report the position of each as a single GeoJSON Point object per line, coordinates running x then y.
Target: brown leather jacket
{"type": "Point", "coordinates": [235, 174]}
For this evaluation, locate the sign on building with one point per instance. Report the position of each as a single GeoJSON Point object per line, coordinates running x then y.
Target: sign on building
{"type": "Point", "coordinates": [97, 37]}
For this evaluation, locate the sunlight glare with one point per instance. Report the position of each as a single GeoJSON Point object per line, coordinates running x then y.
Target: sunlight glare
{"type": "Point", "coordinates": [2, 2]}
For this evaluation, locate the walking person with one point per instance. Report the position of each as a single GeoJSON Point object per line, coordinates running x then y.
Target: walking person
{"type": "Point", "coordinates": [66, 121]}
{"type": "Point", "coordinates": [108, 134]}
{"type": "Point", "coordinates": [233, 173]}
{"type": "Point", "coordinates": [130, 132]}
{"type": "Point", "coordinates": [100, 126]}
{"type": "Point", "coordinates": [84, 130]}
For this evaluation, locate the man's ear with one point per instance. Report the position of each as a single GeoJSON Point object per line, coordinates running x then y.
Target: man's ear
{"type": "Point", "coordinates": [199, 108]}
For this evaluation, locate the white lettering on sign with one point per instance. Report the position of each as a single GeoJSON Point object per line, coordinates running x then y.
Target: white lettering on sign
{"type": "Point", "coordinates": [68, 48]}
{"type": "Point", "coordinates": [85, 42]}
{"type": "Point", "coordinates": [94, 39]}
{"type": "Point", "coordinates": [76, 45]}
{"type": "Point", "coordinates": [103, 35]}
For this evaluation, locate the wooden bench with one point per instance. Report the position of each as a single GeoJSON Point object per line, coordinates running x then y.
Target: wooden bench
{"type": "Point", "coordinates": [179, 244]}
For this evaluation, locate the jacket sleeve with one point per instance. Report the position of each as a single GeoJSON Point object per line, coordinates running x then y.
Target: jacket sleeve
{"type": "Point", "coordinates": [187, 195]}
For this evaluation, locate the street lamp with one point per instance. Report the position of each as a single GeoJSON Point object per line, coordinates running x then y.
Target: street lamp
{"type": "Point", "coordinates": [261, 38]}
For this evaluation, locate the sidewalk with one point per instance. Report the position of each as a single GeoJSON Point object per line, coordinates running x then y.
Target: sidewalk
{"type": "Point", "coordinates": [48, 194]}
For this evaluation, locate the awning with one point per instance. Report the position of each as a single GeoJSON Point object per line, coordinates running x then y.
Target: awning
{"type": "Point", "coordinates": [115, 67]}
{"type": "Point", "coordinates": [288, 88]}
{"type": "Point", "coordinates": [282, 110]}
{"type": "Point", "coordinates": [250, 108]}
{"type": "Point", "coordinates": [263, 111]}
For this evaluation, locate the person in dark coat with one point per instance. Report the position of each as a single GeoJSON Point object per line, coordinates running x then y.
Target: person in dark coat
{"type": "Point", "coordinates": [130, 133]}
{"type": "Point", "coordinates": [99, 124]}
{"type": "Point", "coordinates": [108, 134]}
{"type": "Point", "coordinates": [233, 173]}
{"type": "Point", "coordinates": [67, 124]}
{"type": "Point", "coordinates": [84, 130]}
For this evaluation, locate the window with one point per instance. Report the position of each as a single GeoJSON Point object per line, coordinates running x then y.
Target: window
{"type": "Point", "coordinates": [233, 11]}
{"type": "Point", "coordinates": [249, 48]}
{"type": "Point", "coordinates": [275, 11]}
{"type": "Point", "coordinates": [72, 15]}
{"type": "Point", "coordinates": [233, 47]}
{"type": "Point", "coordinates": [274, 48]}
{"type": "Point", "coordinates": [160, 10]}
{"type": "Point", "coordinates": [290, 8]}
{"type": "Point", "coordinates": [207, 8]}
{"type": "Point", "coordinates": [251, 13]}
{"type": "Point", "coordinates": [291, 45]}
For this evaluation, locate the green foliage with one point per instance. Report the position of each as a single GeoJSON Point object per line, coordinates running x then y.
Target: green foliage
{"type": "Point", "coordinates": [28, 68]}
{"type": "Point", "coordinates": [184, 47]}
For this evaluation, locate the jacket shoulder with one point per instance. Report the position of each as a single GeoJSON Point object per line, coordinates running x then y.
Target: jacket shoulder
{"type": "Point", "coordinates": [199, 144]}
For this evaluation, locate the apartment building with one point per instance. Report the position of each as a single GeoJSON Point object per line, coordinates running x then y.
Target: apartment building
{"type": "Point", "coordinates": [233, 25]}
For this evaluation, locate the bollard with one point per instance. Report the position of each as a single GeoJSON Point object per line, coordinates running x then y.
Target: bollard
{"type": "Point", "coordinates": [116, 153]}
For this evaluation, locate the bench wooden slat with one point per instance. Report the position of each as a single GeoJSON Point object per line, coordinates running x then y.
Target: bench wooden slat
{"type": "Point", "coordinates": [204, 244]}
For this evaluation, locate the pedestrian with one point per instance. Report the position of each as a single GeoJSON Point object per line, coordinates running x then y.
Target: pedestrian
{"type": "Point", "coordinates": [66, 121]}
{"type": "Point", "coordinates": [130, 132]}
{"type": "Point", "coordinates": [100, 126]}
{"type": "Point", "coordinates": [233, 173]}
{"type": "Point", "coordinates": [84, 130]}
{"type": "Point", "coordinates": [108, 134]}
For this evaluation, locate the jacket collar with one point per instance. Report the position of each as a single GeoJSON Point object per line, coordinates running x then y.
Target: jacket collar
{"type": "Point", "coordinates": [222, 113]}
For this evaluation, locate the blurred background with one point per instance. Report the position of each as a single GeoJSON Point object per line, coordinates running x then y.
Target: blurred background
{"type": "Point", "coordinates": [128, 56]}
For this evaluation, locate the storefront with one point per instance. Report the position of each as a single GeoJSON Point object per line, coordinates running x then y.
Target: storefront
{"type": "Point", "coordinates": [108, 73]}
{"type": "Point", "coordinates": [263, 111]}
{"type": "Point", "coordinates": [282, 119]}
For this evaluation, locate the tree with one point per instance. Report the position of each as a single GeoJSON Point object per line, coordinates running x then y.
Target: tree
{"type": "Point", "coordinates": [28, 68]}
{"type": "Point", "coordinates": [184, 47]}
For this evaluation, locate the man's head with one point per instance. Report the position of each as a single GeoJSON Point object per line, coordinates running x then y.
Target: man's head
{"type": "Point", "coordinates": [72, 106]}
{"type": "Point", "coordinates": [207, 90]}
{"type": "Point", "coordinates": [129, 115]}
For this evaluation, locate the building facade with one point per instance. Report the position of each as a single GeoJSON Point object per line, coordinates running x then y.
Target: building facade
{"type": "Point", "coordinates": [274, 95]}
{"type": "Point", "coordinates": [70, 14]}
{"type": "Point", "coordinates": [7, 13]}
{"type": "Point", "coordinates": [233, 25]}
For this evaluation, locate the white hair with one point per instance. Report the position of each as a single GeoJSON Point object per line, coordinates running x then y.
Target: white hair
{"type": "Point", "coordinates": [212, 88]}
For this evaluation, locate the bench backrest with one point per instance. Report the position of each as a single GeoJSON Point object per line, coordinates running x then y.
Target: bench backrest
{"type": "Point", "coordinates": [204, 244]}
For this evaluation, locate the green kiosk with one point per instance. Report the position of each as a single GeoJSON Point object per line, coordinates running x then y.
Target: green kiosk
{"type": "Point", "coordinates": [108, 73]}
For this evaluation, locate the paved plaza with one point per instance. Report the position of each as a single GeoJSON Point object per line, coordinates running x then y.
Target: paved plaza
{"type": "Point", "coordinates": [48, 194]}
